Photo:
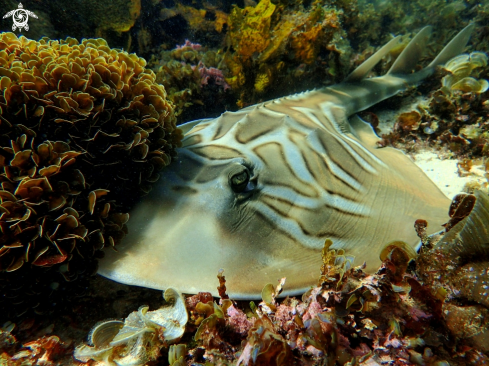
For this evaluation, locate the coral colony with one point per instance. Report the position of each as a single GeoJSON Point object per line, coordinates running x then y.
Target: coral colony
{"type": "Point", "coordinates": [73, 115]}
{"type": "Point", "coordinates": [188, 44]}
{"type": "Point", "coordinates": [213, 75]}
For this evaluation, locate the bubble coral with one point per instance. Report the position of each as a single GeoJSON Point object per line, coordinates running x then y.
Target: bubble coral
{"type": "Point", "coordinates": [84, 131]}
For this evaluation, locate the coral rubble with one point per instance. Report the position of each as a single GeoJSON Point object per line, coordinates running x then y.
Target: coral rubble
{"type": "Point", "coordinates": [85, 130]}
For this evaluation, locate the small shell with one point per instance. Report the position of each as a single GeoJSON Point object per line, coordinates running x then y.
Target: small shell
{"type": "Point", "coordinates": [133, 342]}
{"type": "Point", "coordinates": [471, 85]}
{"type": "Point", "coordinates": [86, 353]}
{"type": "Point", "coordinates": [384, 254]}
{"type": "Point", "coordinates": [456, 62]}
{"type": "Point", "coordinates": [469, 237]}
{"type": "Point", "coordinates": [128, 333]}
{"type": "Point", "coordinates": [478, 59]}
{"type": "Point", "coordinates": [172, 317]}
{"type": "Point", "coordinates": [103, 333]}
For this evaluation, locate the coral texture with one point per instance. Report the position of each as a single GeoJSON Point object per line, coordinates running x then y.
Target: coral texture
{"type": "Point", "coordinates": [190, 73]}
{"type": "Point", "coordinates": [84, 131]}
{"type": "Point", "coordinates": [270, 41]}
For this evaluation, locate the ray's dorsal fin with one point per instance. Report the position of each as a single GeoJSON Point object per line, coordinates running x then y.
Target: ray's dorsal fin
{"type": "Point", "coordinates": [454, 47]}
{"type": "Point", "coordinates": [407, 60]}
{"type": "Point", "coordinates": [363, 131]}
{"type": "Point", "coordinates": [409, 57]}
{"type": "Point", "coordinates": [187, 126]}
{"type": "Point", "coordinates": [362, 71]}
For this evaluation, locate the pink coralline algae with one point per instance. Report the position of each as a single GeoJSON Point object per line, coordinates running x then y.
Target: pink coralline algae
{"type": "Point", "coordinates": [213, 74]}
{"type": "Point", "coordinates": [194, 46]}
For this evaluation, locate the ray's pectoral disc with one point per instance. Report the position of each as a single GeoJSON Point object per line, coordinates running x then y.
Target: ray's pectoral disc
{"type": "Point", "coordinates": [256, 192]}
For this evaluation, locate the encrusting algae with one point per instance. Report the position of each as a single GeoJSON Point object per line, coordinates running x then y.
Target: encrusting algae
{"type": "Point", "coordinates": [85, 129]}
{"type": "Point", "coordinates": [191, 76]}
{"type": "Point", "coordinates": [260, 36]}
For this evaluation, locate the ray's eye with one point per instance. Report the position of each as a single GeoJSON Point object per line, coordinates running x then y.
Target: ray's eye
{"type": "Point", "coordinates": [239, 180]}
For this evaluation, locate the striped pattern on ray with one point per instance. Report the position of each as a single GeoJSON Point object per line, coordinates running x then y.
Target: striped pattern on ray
{"type": "Point", "coordinates": [311, 166]}
{"type": "Point", "coordinates": [257, 192]}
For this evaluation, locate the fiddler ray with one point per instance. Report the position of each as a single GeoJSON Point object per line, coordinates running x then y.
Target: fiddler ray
{"type": "Point", "coordinates": [256, 192]}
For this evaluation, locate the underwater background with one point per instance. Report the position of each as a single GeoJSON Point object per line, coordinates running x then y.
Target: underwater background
{"type": "Point", "coordinates": [189, 60]}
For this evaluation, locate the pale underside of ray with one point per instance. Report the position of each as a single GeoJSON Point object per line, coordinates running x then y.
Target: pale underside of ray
{"type": "Point", "coordinates": [319, 176]}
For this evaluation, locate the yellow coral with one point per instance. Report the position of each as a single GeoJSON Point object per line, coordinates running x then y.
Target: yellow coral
{"type": "Point", "coordinates": [119, 16]}
{"type": "Point", "coordinates": [261, 82]}
{"type": "Point", "coordinates": [221, 19]}
{"type": "Point", "coordinates": [236, 69]}
{"type": "Point", "coordinates": [196, 18]}
{"type": "Point", "coordinates": [281, 34]}
{"type": "Point", "coordinates": [249, 28]}
{"type": "Point", "coordinates": [263, 38]}
{"type": "Point", "coordinates": [305, 39]}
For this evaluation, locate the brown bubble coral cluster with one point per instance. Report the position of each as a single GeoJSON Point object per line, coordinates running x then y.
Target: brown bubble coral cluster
{"type": "Point", "coordinates": [84, 130]}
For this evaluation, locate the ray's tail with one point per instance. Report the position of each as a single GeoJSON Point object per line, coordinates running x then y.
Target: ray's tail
{"type": "Point", "coordinates": [357, 92]}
